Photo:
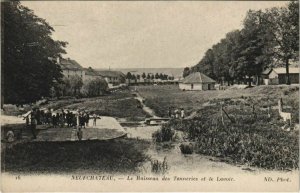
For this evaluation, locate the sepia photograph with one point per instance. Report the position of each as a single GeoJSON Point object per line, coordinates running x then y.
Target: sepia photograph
{"type": "Point", "coordinates": [149, 96]}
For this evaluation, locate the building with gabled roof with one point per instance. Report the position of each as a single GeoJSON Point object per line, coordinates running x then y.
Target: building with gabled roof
{"type": "Point", "coordinates": [197, 81]}
{"type": "Point", "coordinates": [91, 74]}
{"type": "Point", "coordinates": [71, 68]}
{"type": "Point", "coordinates": [112, 77]}
{"type": "Point", "coordinates": [276, 76]}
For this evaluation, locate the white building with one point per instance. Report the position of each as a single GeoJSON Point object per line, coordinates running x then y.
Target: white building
{"type": "Point", "coordinates": [197, 81]}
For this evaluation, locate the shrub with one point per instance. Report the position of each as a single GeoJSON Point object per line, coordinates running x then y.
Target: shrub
{"type": "Point", "coordinates": [186, 148]}
{"type": "Point", "coordinates": [159, 167]}
{"type": "Point", "coordinates": [164, 134]}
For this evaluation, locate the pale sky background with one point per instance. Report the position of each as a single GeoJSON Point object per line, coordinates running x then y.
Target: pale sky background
{"type": "Point", "coordinates": [131, 34]}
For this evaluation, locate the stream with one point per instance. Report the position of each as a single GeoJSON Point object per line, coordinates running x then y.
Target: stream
{"type": "Point", "coordinates": [192, 164]}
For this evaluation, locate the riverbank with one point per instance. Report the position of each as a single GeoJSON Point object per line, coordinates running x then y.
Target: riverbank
{"type": "Point", "coordinates": [116, 156]}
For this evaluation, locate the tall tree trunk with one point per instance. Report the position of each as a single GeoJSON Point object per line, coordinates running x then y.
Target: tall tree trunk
{"type": "Point", "coordinates": [288, 81]}
{"type": "Point", "coordinates": [257, 80]}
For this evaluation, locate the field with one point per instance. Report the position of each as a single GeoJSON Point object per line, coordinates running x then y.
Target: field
{"type": "Point", "coordinates": [160, 98]}
{"type": "Point", "coordinates": [120, 104]}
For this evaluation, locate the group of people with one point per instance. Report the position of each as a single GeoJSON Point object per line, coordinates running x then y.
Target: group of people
{"type": "Point", "coordinates": [60, 118]}
{"type": "Point", "coordinates": [176, 113]}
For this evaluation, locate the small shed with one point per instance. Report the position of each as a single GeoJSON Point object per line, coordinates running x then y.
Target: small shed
{"type": "Point", "coordinates": [277, 76]}
{"type": "Point", "coordinates": [197, 81]}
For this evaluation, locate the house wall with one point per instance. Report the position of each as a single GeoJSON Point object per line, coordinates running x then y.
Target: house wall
{"type": "Point", "coordinates": [208, 86]}
{"type": "Point", "coordinates": [91, 77]}
{"type": "Point", "coordinates": [197, 86]}
{"type": "Point", "coordinates": [294, 78]}
{"type": "Point", "coordinates": [183, 86]}
{"type": "Point", "coordinates": [114, 80]}
{"type": "Point", "coordinates": [68, 73]}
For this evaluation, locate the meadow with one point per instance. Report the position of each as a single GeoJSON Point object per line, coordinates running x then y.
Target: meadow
{"type": "Point", "coordinates": [250, 135]}
{"type": "Point", "coordinates": [161, 97]}
{"type": "Point", "coordinates": [120, 104]}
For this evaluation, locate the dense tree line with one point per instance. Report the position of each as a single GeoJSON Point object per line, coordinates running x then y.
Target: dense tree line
{"type": "Point", "coordinates": [27, 51]}
{"type": "Point", "coordinates": [268, 38]}
{"type": "Point", "coordinates": [75, 86]}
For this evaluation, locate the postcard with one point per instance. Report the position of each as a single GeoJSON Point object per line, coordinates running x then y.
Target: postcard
{"type": "Point", "coordinates": [150, 96]}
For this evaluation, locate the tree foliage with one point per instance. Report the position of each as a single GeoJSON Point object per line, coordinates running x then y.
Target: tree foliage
{"type": "Point", "coordinates": [268, 38]}
{"type": "Point", "coordinates": [95, 87]}
{"type": "Point", "coordinates": [27, 46]}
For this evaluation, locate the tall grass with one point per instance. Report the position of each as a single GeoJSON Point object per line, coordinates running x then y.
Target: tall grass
{"type": "Point", "coordinates": [122, 155]}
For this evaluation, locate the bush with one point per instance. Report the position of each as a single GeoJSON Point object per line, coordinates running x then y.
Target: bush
{"type": "Point", "coordinates": [159, 167]}
{"type": "Point", "coordinates": [164, 134]}
{"type": "Point", "coordinates": [186, 148]}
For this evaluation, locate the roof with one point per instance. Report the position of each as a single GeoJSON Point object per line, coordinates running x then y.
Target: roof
{"type": "Point", "coordinates": [267, 71]}
{"type": "Point", "coordinates": [197, 77]}
{"type": "Point", "coordinates": [69, 64]}
{"type": "Point", "coordinates": [108, 73]}
{"type": "Point", "coordinates": [283, 70]}
{"type": "Point", "coordinates": [91, 72]}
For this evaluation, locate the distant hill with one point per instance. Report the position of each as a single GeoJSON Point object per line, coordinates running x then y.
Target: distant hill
{"type": "Point", "coordinates": [176, 72]}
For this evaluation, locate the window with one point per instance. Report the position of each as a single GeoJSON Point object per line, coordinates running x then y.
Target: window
{"type": "Point", "coordinates": [192, 86]}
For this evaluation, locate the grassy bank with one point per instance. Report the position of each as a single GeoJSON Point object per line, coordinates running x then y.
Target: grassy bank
{"type": "Point", "coordinates": [120, 104]}
{"type": "Point", "coordinates": [160, 98]}
{"type": "Point", "coordinates": [248, 138]}
{"type": "Point", "coordinates": [122, 156]}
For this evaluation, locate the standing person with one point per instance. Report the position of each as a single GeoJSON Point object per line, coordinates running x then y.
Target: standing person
{"type": "Point", "coordinates": [42, 119]}
{"type": "Point", "coordinates": [79, 134]}
{"type": "Point", "coordinates": [87, 118]}
{"type": "Point", "coordinates": [182, 115]}
{"type": "Point", "coordinates": [77, 118]}
{"type": "Point", "coordinates": [62, 118]}
{"type": "Point", "coordinates": [170, 112]}
{"type": "Point", "coordinates": [49, 116]}
{"type": "Point", "coordinates": [81, 120]}
{"type": "Point", "coordinates": [69, 118]}
{"type": "Point", "coordinates": [176, 113]}
{"type": "Point", "coordinates": [94, 119]}
{"type": "Point", "coordinates": [74, 119]}
{"type": "Point", "coordinates": [33, 122]}
{"type": "Point", "coordinates": [38, 116]}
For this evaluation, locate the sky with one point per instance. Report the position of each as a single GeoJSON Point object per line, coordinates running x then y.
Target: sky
{"type": "Point", "coordinates": [148, 34]}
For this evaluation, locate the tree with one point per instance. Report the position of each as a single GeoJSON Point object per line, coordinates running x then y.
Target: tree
{"type": "Point", "coordinates": [283, 33]}
{"type": "Point", "coordinates": [143, 75]}
{"type": "Point", "coordinates": [133, 77]}
{"type": "Point", "coordinates": [156, 76]}
{"type": "Point", "coordinates": [128, 76]}
{"type": "Point", "coordinates": [254, 55]}
{"type": "Point", "coordinates": [27, 73]}
{"type": "Point", "coordinates": [95, 87]}
{"type": "Point", "coordinates": [75, 84]}
{"type": "Point", "coordinates": [148, 76]}
{"type": "Point", "coordinates": [186, 72]}
{"type": "Point", "coordinates": [152, 76]}
{"type": "Point", "coordinates": [138, 76]}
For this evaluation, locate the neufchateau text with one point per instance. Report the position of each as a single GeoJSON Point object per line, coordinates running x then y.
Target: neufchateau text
{"type": "Point", "coordinates": [149, 178]}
